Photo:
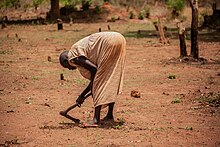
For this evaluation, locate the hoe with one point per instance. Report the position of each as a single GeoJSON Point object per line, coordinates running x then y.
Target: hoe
{"type": "Point", "coordinates": [64, 113]}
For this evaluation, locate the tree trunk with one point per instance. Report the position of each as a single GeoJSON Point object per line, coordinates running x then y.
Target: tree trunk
{"type": "Point", "coordinates": [161, 32]}
{"type": "Point", "coordinates": [182, 38]}
{"type": "Point", "coordinates": [55, 10]}
{"type": "Point", "coordinates": [59, 24]}
{"type": "Point", "coordinates": [194, 29]}
{"type": "Point", "coordinates": [214, 7]}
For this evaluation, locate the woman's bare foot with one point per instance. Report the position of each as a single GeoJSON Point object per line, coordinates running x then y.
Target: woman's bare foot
{"type": "Point", "coordinates": [107, 119]}
{"type": "Point", "coordinates": [90, 124]}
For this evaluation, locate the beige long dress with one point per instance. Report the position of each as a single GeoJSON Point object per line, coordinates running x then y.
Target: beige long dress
{"type": "Point", "coordinates": [107, 51]}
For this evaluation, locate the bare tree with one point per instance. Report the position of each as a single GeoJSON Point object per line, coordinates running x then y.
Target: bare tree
{"type": "Point", "coordinates": [194, 29]}
{"type": "Point", "coordinates": [182, 39]}
{"type": "Point", "coordinates": [161, 31]}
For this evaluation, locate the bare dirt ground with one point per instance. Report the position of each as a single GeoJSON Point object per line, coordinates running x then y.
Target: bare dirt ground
{"type": "Point", "coordinates": [179, 103]}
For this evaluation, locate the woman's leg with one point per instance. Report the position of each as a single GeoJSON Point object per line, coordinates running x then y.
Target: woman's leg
{"type": "Point", "coordinates": [109, 116]}
{"type": "Point", "coordinates": [110, 111]}
{"type": "Point", "coordinates": [96, 118]}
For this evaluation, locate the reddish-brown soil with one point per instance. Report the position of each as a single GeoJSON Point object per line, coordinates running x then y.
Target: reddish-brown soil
{"type": "Point", "coordinates": [174, 108]}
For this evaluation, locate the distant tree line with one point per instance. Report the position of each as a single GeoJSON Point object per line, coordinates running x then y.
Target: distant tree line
{"type": "Point", "coordinates": [177, 4]}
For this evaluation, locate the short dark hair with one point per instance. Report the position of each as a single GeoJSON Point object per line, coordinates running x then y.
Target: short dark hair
{"type": "Point", "coordinates": [64, 59]}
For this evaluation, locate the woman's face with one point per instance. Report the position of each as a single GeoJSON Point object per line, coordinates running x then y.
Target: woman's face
{"type": "Point", "coordinates": [70, 67]}
{"type": "Point", "coordinates": [64, 61]}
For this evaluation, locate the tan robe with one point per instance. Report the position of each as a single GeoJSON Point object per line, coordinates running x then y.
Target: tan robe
{"type": "Point", "coordinates": [107, 51]}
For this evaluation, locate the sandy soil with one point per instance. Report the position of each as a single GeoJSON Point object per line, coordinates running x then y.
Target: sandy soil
{"type": "Point", "coordinates": [179, 103]}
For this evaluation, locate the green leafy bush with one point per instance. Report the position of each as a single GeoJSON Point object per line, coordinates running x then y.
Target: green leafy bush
{"type": "Point", "coordinates": [10, 3]}
{"type": "Point", "coordinates": [141, 15]}
{"type": "Point", "coordinates": [70, 3]}
{"type": "Point", "coordinates": [131, 15]}
{"type": "Point", "coordinates": [177, 5]}
{"type": "Point", "coordinates": [98, 10]}
{"type": "Point", "coordinates": [86, 4]}
{"type": "Point", "coordinates": [147, 11]}
{"type": "Point", "coordinates": [36, 3]}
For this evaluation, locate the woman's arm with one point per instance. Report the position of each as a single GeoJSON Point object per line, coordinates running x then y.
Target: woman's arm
{"type": "Point", "coordinates": [84, 62]}
{"type": "Point", "coordinates": [81, 97]}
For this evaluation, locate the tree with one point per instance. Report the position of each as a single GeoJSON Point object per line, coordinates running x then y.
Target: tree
{"type": "Point", "coordinates": [194, 29]}
{"type": "Point", "coordinates": [176, 6]}
{"type": "Point", "coordinates": [36, 3]}
{"type": "Point", "coordinates": [54, 13]}
{"type": "Point", "coordinates": [163, 39]}
{"type": "Point", "coordinates": [182, 39]}
{"type": "Point", "coordinates": [212, 21]}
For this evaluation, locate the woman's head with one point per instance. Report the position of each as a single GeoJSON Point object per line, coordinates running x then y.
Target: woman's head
{"type": "Point", "coordinates": [64, 61]}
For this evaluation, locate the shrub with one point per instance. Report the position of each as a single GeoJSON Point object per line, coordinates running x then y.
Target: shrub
{"type": "Point", "coordinates": [141, 15]}
{"type": "Point", "coordinates": [131, 15]}
{"type": "Point", "coordinates": [113, 19]}
{"type": "Point", "coordinates": [176, 6]}
{"type": "Point", "coordinates": [36, 3]}
{"type": "Point", "coordinates": [147, 11]}
{"type": "Point", "coordinates": [11, 3]}
{"type": "Point", "coordinates": [70, 3]}
{"type": "Point", "coordinates": [86, 4]}
{"type": "Point", "coordinates": [98, 10]}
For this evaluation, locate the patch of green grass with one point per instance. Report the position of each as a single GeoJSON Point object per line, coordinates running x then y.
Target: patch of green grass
{"type": "Point", "coordinates": [56, 36]}
{"type": "Point", "coordinates": [71, 145]}
{"type": "Point", "coordinates": [13, 142]}
{"type": "Point", "coordinates": [80, 81]}
{"type": "Point", "coordinates": [5, 52]}
{"type": "Point", "coordinates": [177, 98]}
{"type": "Point", "coordinates": [188, 128]}
{"type": "Point", "coordinates": [139, 34]}
{"type": "Point", "coordinates": [1, 92]}
{"type": "Point", "coordinates": [35, 78]}
{"type": "Point", "coordinates": [176, 101]}
{"type": "Point", "coordinates": [188, 37]}
{"type": "Point", "coordinates": [212, 99]}
{"type": "Point", "coordinates": [159, 129]}
{"type": "Point", "coordinates": [117, 127]}
{"type": "Point", "coordinates": [119, 124]}
{"type": "Point", "coordinates": [172, 76]}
